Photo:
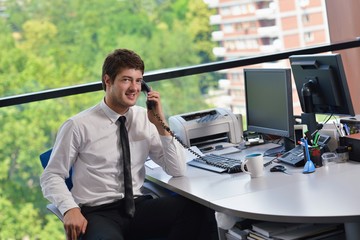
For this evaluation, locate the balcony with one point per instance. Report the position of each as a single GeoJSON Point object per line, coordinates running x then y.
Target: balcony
{"type": "Point", "coordinates": [217, 36]}
{"type": "Point", "coordinates": [215, 19]}
{"type": "Point", "coordinates": [219, 51]}
{"type": "Point", "coordinates": [269, 31]}
{"type": "Point", "coordinates": [265, 13]}
{"type": "Point", "coordinates": [212, 3]}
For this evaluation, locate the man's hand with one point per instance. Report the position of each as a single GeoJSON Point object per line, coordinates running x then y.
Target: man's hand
{"type": "Point", "coordinates": [74, 223]}
{"type": "Point", "coordinates": [155, 97]}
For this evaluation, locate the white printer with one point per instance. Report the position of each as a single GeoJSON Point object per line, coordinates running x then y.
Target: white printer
{"type": "Point", "coordinates": [207, 127]}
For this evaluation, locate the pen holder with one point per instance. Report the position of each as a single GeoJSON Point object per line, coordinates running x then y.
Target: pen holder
{"type": "Point", "coordinates": [342, 141]}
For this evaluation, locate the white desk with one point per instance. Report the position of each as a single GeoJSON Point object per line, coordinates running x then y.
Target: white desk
{"type": "Point", "coordinates": [329, 195]}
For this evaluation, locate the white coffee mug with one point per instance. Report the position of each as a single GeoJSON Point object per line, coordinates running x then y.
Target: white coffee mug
{"type": "Point", "coordinates": [255, 165]}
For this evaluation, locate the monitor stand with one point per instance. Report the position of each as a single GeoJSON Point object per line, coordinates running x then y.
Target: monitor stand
{"type": "Point", "coordinates": [288, 144]}
{"type": "Point", "coordinates": [310, 120]}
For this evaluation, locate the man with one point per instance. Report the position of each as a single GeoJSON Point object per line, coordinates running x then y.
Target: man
{"type": "Point", "coordinates": [89, 144]}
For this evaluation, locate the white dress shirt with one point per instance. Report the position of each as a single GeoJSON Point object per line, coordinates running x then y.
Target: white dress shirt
{"type": "Point", "coordinates": [89, 144]}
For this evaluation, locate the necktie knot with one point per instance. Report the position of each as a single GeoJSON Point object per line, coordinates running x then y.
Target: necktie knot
{"type": "Point", "coordinates": [122, 119]}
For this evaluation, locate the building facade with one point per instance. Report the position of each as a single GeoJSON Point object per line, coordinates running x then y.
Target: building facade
{"type": "Point", "coordinates": [244, 28]}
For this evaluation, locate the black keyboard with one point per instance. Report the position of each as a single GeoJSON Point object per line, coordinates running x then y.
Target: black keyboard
{"type": "Point", "coordinates": [217, 163]}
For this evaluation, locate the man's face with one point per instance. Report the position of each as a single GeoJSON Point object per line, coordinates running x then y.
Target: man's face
{"type": "Point", "coordinates": [125, 90]}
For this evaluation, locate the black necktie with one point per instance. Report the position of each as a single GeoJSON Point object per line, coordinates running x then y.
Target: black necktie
{"type": "Point", "coordinates": [124, 142]}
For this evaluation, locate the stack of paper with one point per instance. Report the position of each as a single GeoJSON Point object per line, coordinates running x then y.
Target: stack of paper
{"type": "Point", "coordinates": [292, 231]}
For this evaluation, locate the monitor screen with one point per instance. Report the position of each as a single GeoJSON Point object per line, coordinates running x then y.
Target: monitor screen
{"type": "Point", "coordinates": [268, 95]}
{"type": "Point", "coordinates": [321, 85]}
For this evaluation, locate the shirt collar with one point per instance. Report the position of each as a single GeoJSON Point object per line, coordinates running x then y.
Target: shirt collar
{"type": "Point", "coordinates": [111, 114]}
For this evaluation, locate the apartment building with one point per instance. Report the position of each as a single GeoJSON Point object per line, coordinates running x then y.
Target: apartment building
{"type": "Point", "coordinates": [246, 28]}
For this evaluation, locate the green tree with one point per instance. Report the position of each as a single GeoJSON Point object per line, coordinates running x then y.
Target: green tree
{"type": "Point", "coordinates": [61, 43]}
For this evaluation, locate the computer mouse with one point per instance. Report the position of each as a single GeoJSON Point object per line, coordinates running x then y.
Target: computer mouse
{"type": "Point", "coordinates": [278, 168]}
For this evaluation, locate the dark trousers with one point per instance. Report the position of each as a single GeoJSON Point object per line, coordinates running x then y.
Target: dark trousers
{"type": "Point", "coordinates": [172, 217]}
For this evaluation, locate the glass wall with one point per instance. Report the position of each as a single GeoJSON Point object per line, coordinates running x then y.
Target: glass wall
{"type": "Point", "coordinates": [54, 44]}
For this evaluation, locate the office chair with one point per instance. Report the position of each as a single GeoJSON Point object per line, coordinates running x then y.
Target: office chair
{"type": "Point", "coordinates": [148, 188]}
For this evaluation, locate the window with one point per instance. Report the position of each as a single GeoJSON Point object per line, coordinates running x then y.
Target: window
{"type": "Point", "coordinates": [309, 37]}
{"type": "Point", "coordinates": [305, 18]}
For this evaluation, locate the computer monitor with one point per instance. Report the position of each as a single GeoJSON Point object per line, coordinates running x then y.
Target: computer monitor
{"type": "Point", "coordinates": [269, 106]}
{"type": "Point", "coordinates": [322, 87]}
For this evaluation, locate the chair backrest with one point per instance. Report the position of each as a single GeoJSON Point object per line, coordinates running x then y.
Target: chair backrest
{"type": "Point", "coordinates": [44, 159]}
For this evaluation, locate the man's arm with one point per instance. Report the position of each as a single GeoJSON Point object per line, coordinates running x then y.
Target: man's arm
{"type": "Point", "coordinates": [52, 180]}
{"type": "Point", "coordinates": [173, 158]}
{"type": "Point", "coordinates": [53, 184]}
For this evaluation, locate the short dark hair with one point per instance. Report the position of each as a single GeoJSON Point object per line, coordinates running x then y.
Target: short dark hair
{"type": "Point", "coordinates": [118, 60]}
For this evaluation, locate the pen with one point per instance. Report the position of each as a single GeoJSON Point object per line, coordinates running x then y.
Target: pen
{"type": "Point", "coordinates": [316, 138]}
{"type": "Point", "coordinates": [309, 138]}
{"type": "Point", "coordinates": [347, 129]}
{"type": "Point", "coordinates": [338, 130]}
{"type": "Point", "coordinates": [341, 127]}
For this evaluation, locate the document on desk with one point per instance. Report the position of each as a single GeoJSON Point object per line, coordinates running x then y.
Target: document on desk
{"type": "Point", "coordinates": [151, 164]}
{"type": "Point", "coordinates": [188, 157]}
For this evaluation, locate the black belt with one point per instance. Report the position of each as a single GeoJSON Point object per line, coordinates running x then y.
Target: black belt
{"type": "Point", "coordinates": [113, 205]}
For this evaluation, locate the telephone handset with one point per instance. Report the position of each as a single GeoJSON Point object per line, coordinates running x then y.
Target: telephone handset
{"type": "Point", "coordinates": [145, 88]}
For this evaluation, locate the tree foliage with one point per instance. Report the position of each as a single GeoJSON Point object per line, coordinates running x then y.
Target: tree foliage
{"type": "Point", "coordinates": [61, 43]}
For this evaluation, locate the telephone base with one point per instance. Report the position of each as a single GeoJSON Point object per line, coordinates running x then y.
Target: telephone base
{"type": "Point", "coordinates": [294, 157]}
